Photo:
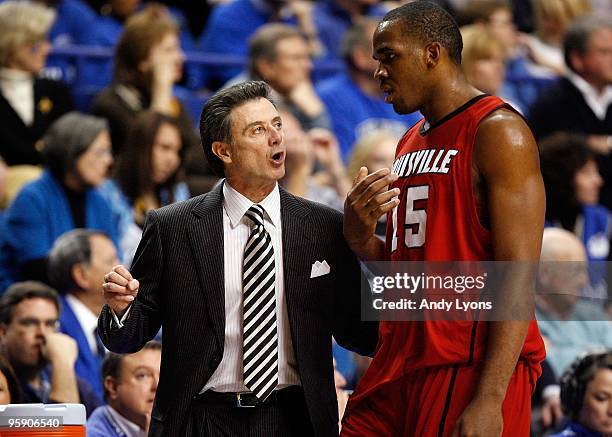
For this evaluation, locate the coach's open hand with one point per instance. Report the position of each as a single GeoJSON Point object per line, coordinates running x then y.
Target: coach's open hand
{"type": "Point", "coordinates": [120, 289]}
{"type": "Point", "coordinates": [365, 203]}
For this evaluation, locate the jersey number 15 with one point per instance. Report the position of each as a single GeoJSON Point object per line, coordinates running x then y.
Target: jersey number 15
{"type": "Point", "coordinates": [415, 221]}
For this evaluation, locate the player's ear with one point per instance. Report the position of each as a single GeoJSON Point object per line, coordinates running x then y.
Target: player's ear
{"type": "Point", "coordinates": [433, 51]}
{"type": "Point", "coordinates": [222, 150]}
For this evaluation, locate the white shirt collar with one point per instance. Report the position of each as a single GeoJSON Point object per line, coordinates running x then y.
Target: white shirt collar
{"type": "Point", "coordinates": [597, 102]}
{"type": "Point", "coordinates": [10, 74]}
{"type": "Point", "coordinates": [129, 427]}
{"type": "Point", "coordinates": [236, 205]}
{"type": "Point", "coordinates": [86, 318]}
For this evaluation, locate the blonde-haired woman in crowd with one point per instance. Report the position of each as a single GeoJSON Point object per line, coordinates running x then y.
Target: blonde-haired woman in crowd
{"type": "Point", "coordinates": [552, 18]}
{"type": "Point", "coordinates": [28, 104]}
{"type": "Point", "coordinates": [374, 150]}
{"type": "Point", "coordinates": [483, 61]}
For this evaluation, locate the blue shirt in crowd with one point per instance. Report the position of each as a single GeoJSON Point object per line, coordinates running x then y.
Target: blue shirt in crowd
{"type": "Point", "coordinates": [354, 113]}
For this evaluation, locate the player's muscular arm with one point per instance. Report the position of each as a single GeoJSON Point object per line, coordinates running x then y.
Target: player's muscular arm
{"type": "Point", "coordinates": [506, 156]}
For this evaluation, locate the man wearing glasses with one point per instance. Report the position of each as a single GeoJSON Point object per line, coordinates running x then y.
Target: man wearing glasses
{"type": "Point", "coordinates": [42, 358]}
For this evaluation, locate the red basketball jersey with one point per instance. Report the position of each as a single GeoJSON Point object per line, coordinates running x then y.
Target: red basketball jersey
{"type": "Point", "coordinates": [437, 219]}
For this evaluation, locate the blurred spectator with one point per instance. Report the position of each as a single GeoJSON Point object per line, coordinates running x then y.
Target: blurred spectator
{"type": "Point", "coordinates": [75, 22]}
{"type": "Point", "coordinates": [43, 359]}
{"type": "Point", "coordinates": [148, 62]}
{"type": "Point", "coordinates": [28, 104]}
{"type": "Point", "coordinates": [77, 154]}
{"type": "Point", "coordinates": [77, 264]}
{"type": "Point", "coordinates": [374, 150]}
{"type": "Point", "coordinates": [279, 55]}
{"type": "Point", "coordinates": [358, 90]}
{"type": "Point", "coordinates": [586, 394]}
{"type": "Point", "coordinates": [483, 61]}
{"type": "Point", "coordinates": [130, 382]}
{"type": "Point", "coordinates": [496, 17]}
{"type": "Point", "coordinates": [572, 182]}
{"type": "Point", "coordinates": [581, 102]}
{"type": "Point", "coordinates": [147, 176]}
{"type": "Point", "coordinates": [3, 170]}
{"type": "Point", "coordinates": [545, 47]}
{"type": "Point", "coordinates": [10, 391]}
{"type": "Point", "coordinates": [570, 325]}
{"type": "Point", "coordinates": [333, 18]}
{"type": "Point", "coordinates": [229, 27]}
{"type": "Point", "coordinates": [546, 401]}
{"type": "Point", "coordinates": [303, 151]}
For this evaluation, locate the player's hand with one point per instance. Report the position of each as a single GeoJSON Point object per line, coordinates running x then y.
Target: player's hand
{"type": "Point", "coordinates": [481, 418]}
{"type": "Point", "coordinates": [368, 199]}
{"type": "Point", "coordinates": [551, 411]}
{"type": "Point", "coordinates": [120, 289]}
{"type": "Point", "coordinates": [59, 348]}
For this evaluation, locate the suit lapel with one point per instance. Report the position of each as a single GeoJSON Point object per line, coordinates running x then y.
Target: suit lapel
{"type": "Point", "coordinates": [295, 266]}
{"type": "Point", "coordinates": [206, 239]}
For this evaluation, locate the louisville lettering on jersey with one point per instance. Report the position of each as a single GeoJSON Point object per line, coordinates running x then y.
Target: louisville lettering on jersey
{"type": "Point", "coordinates": [424, 161]}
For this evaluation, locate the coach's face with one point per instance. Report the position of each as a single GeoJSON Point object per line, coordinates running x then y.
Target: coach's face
{"type": "Point", "coordinates": [256, 156]}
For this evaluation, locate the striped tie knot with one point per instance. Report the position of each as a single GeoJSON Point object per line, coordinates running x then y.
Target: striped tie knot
{"type": "Point", "coordinates": [256, 214]}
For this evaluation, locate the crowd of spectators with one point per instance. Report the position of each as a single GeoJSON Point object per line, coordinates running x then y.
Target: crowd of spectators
{"type": "Point", "coordinates": [98, 100]}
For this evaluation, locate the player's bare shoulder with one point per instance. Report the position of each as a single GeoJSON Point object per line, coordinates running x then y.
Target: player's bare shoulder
{"type": "Point", "coordinates": [504, 139]}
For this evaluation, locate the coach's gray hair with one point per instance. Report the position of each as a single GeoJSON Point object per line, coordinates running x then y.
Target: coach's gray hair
{"type": "Point", "coordinates": [21, 22]}
{"type": "Point", "coordinates": [73, 247]}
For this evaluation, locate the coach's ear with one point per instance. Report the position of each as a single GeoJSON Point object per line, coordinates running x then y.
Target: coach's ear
{"type": "Point", "coordinates": [222, 151]}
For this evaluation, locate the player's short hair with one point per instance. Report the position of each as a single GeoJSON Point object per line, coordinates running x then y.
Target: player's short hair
{"type": "Point", "coordinates": [429, 23]}
{"type": "Point", "coordinates": [576, 378]}
{"type": "Point", "coordinates": [215, 119]}
{"type": "Point", "coordinates": [579, 33]}
{"type": "Point", "coordinates": [111, 366]}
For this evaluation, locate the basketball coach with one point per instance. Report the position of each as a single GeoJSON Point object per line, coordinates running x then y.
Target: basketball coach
{"type": "Point", "coordinates": [249, 283]}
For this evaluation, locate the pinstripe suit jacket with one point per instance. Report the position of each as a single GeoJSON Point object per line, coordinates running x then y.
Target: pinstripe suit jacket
{"type": "Point", "coordinates": [179, 264]}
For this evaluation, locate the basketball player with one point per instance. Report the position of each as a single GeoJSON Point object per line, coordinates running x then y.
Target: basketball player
{"type": "Point", "coordinates": [466, 187]}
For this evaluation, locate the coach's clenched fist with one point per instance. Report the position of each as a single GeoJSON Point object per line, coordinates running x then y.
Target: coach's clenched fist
{"type": "Point", "coordinates": [120, 289]}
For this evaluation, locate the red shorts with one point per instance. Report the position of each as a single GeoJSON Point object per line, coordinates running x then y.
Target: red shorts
{"type": "Point", "coordinates": [428, 403]}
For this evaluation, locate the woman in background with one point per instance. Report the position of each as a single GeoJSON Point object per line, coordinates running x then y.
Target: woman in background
{"type": "Point", "coordinates": [586, 396]}
{"type": "Point", "coordinates": [374, 150]}
{"type": "Point", "coordinates": [28, 104]}
{"type": "Point", "coordinates": [483, 61]}
{"type": "Point", "coordinates": [10, 390]}
{"type": "Point", "coordinates": [572, 182]}
{"type": "Point", "coordinates": [77, 155]}
{"type": "Point", "coordinates": [147, 176]}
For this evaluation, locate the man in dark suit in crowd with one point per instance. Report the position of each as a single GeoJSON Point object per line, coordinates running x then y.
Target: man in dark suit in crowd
{"type": "Point", "coordinates": [249, 283]}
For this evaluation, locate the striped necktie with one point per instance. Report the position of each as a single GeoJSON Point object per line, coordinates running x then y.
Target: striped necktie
{"type": "Point", "coordinates": [260, 343]}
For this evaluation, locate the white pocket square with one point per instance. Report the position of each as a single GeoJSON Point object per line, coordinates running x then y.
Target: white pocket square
{"type": "Point", "coordinates": [319, 269]}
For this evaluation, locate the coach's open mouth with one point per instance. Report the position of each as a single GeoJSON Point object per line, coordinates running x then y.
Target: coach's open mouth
{"type": "Point", "coordinates": [388, 90]}
{"type": "Point", "coordinates": [278, 158]}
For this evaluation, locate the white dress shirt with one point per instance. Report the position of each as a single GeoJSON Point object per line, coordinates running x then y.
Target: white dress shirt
{"type": "Point", "coordinates": [129, 428]}
{"type": "Point", "coordinates": [598, 102]}
{"type": "Point", "coordinates": [87, 320]}
{"type": "Point", "coordinates": [236, 230]}
{"type": "Point", "coordinates": [17, 87]}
